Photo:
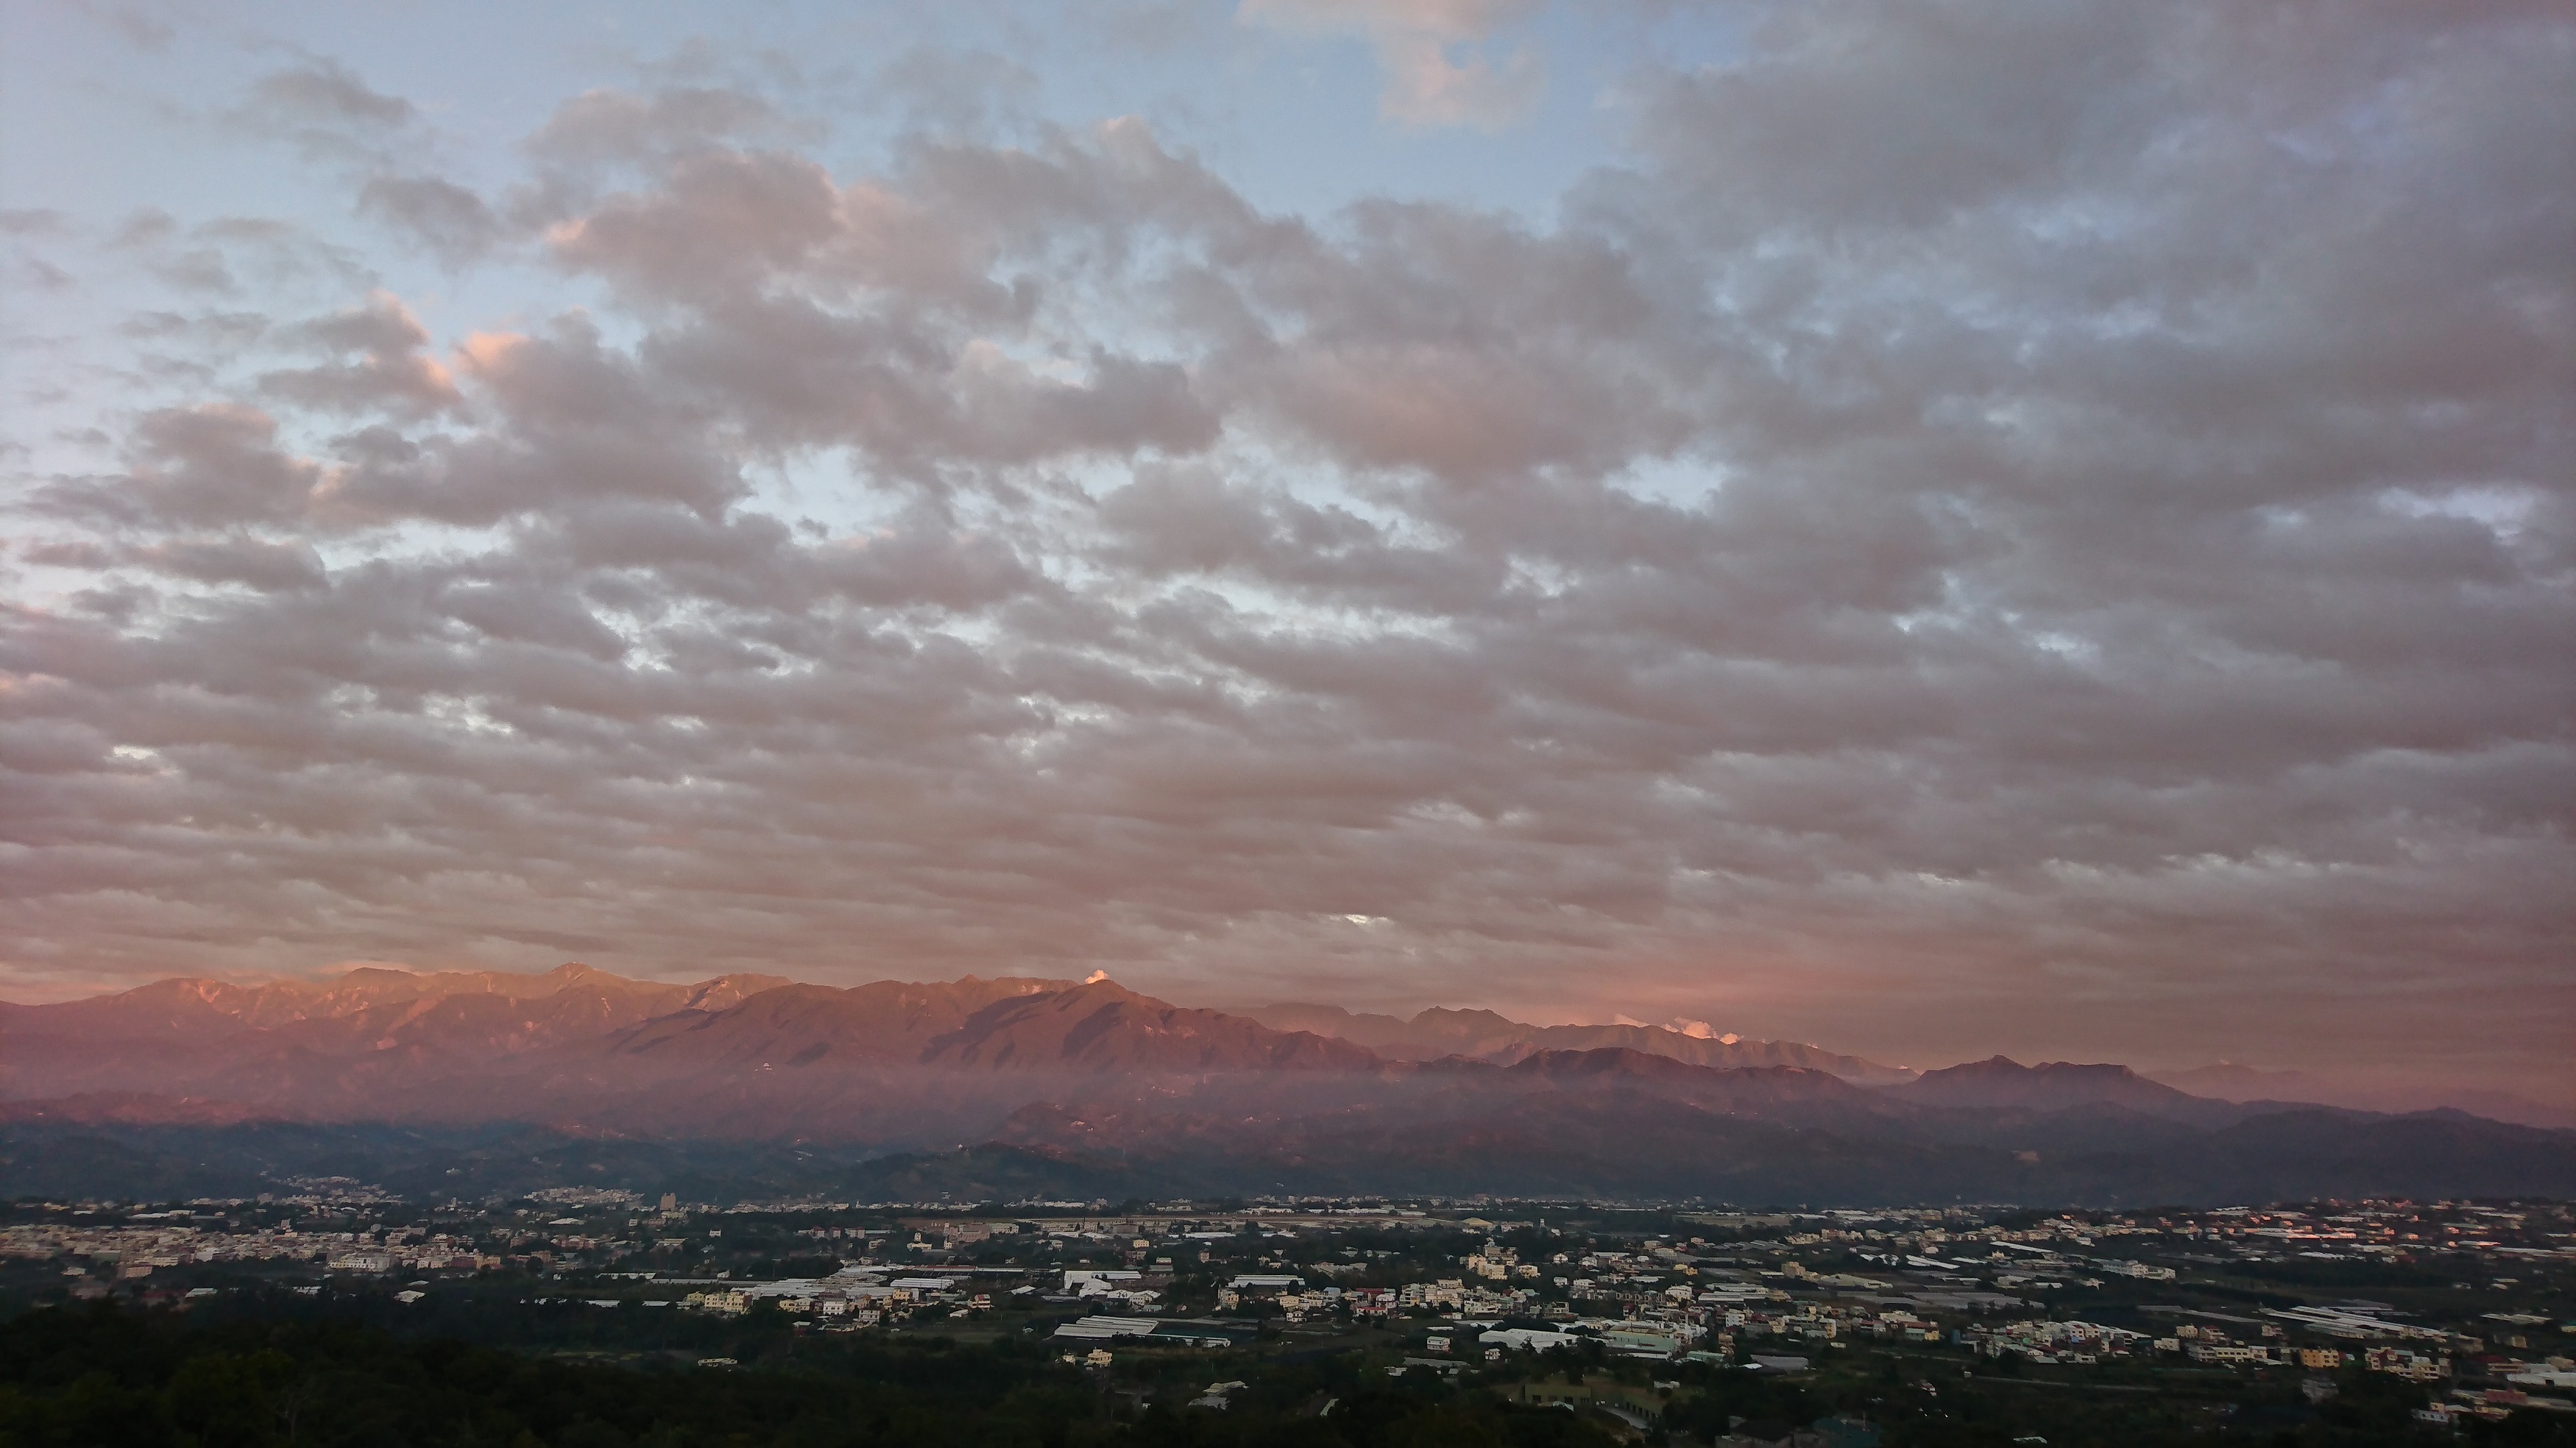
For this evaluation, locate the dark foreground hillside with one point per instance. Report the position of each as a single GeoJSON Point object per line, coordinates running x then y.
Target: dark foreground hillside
{"type": "Point", "coordinates": [285, 1372]}
{"type": "Point", "coordinates": [105, 1378]}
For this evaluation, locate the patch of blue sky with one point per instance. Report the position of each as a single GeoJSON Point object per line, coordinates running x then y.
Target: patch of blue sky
{"type": "Point", "coordinates": [1688, 480]}
{"type": "Point", "coordinates": [2504, 509]}
{"type": "Point", "coordinates": [821, 489]}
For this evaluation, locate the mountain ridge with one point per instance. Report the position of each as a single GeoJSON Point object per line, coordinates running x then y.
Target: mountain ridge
{"type": "Point", "coordinates": [1489, 1035]}
{"type": "Point", "coordinates": [1110, 1084]}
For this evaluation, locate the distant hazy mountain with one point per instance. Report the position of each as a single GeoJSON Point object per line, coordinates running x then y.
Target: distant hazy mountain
{"type": "Point", "coordinates": [580, 1047]}
{"type": "Point", "coordinates": [1359, 1028]}
{"type": "Point", "coordinates": [298, 1046]}
{"type": "Point", "coordinates": [1488, 1036]}
{"type": "Point", "coordinates": [2492, 1105]}
{"type": "Point", "coordinates": [179, 1007]}
{"type": "Point", "coordinates": [1049, 1084]}
{"type": "Point", "coordinates": [2050, 1086]}
{"type": "Point", "coordinates": [887, 1022]}
{"type": "Point", "coordinates": [2229, 1082]}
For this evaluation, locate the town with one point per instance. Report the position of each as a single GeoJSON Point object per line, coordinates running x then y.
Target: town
{"type": "Point", "coordinates": [1683, 1323]}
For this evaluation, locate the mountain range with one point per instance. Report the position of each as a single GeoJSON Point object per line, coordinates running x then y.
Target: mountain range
{"type": "Point", "coordinates": [1024, 1085]}
{"type": "Point", "coordinates": [1488, 1036]}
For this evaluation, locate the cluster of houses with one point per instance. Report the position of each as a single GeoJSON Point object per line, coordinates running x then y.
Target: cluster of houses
{"type": "Point", "coordinates": [125, 1253]}
{"type": "Point", "coordinates": [851, 1298]}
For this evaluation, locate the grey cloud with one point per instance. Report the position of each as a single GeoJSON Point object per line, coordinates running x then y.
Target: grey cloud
{"type": "Point", "coordinates": [69, 555]}
{"type": "Point", "coordinates": [213, 465]}
{"type": "Point", "coordinates": [725, 218]}
{"type": "Point", "coordinates": [145, 228]}
{"type": "Point", "coordinates": [262, 565]}
{"type": "Point", "coordinates": [1122, 407]}
{"type": "Point", "coordinates": [1179, 519]}
{"type": "Point", "coordinates": [534, 615]}
{"type": "Point", "coordinates": [228, 255]}
{"type": "Point", "coordinates": [232, 330]}
{"type": "Point", "coordinates": [450, 220]}
{"type": "Point", "coordinates": [1874, 114]}
{"type": "Point", "coordinates": [389, 371]}
{"type": "Point", "coordinates": [580, 422]}
{"type": "Point", "coordinates": [326, 111]}
{"type": "Point", "coordinates": [605, 126]}
{"type": "Point", "coordinates": [198, 269]}
{"type": "Point", "coordinates": [832, 315]}
{"type": "Point", "coordinates": [2002, 529]}
{"type": "Point", "coordinates": [923, 565]}
{"type": "Point", "coordinates": [322, 90]}
{"type": "Point", "coordinates": [1176, 521]}
{"type": "Point", "coordinates": [145, 32]}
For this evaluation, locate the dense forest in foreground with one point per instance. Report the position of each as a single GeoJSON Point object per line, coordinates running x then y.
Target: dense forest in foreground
{"type": "Point", "coordinates": [97, 1377]}
{"type": "Point", "coordinates": [106, 1376]}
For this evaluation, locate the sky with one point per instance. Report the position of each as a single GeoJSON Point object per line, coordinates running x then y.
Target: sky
{"type": "Point", "coordinates": [1931, 528]}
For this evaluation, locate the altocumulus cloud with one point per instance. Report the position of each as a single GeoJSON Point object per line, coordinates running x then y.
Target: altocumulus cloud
{"type": "Point", "coordinates": [2028, 526]}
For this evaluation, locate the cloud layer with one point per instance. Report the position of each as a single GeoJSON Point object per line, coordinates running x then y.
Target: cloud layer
{"type": "Point", "coordinates": [2001, 527]}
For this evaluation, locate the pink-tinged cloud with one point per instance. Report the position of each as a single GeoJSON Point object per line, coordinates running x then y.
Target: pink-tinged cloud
{"type": "Point", "coordinates": [1437, 68]}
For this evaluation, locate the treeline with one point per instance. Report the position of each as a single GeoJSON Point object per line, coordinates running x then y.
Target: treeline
{"type": "Point", "coordinates": [105, 1376]}
{"type": "Point", "coordinates": [108, 1377]}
